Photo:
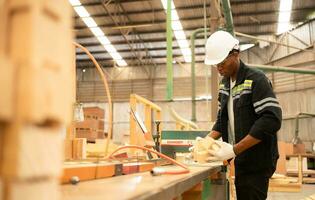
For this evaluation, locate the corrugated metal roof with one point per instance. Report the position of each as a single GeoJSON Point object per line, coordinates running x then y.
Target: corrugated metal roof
{"type": "Point", "coordinates": [146, 20]}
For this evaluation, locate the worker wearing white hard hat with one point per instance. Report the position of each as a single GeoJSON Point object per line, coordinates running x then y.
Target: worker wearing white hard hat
{"type": "Point", "coordinates": [248, 119]}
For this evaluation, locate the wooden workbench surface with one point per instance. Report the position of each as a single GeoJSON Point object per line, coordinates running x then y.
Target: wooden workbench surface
{"type": "Point", "coordinates": [138, 186]}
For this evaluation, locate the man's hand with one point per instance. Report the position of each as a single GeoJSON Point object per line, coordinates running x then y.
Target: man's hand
{"type": "Point", "coordinates": [225, 152]}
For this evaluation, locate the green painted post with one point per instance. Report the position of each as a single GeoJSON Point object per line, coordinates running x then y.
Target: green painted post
{"type": "Point", "coordinates": [206, 189]}
{"type": "Point", "coordinates": [169, 40]}
{"type": "Point", "coordinates": [228, 16]}
{"type": "Point", "coordinates": [193, 76]}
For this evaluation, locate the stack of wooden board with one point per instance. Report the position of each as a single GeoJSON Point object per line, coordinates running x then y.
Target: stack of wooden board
{"type": "Point", "coordinates": [93, 125]}
{"type": "Point", "coordinates": [36, 85]}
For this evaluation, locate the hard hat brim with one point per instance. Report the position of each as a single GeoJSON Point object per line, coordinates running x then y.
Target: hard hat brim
{"type": "Point", "coordinates": [214, 61]}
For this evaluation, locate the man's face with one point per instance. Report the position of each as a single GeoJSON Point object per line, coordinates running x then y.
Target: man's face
{"type": "Point", "coordinates": [228, 66]}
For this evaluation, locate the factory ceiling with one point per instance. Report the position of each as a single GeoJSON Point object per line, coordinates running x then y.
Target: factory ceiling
{"type": "Point", "coordinates": [137, 28]}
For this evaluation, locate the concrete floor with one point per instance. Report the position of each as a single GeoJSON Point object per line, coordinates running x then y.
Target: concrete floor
{"type": "Point", "coordinates": [307, 190]}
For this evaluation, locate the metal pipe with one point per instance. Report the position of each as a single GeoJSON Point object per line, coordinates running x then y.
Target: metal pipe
{"type": "Point", "coordinates": [228, 16]}
{"type": "Point", "coordinates": [169, 40]}
{"type": "Point", "coordinates": [193, 76]}
{"type": "Point", "coordinates": [270, 41]}
{"type": "Point", "coordinates": [296, 139]}
{"type": "Point", "coordinates": [282, 69]}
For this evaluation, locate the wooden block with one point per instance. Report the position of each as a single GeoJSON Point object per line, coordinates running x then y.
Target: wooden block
{"type": "Point", "coordinates": [68, 149]}
{"type": "Point", "coordinates": [90, 171]}
{"type": "Point", "coordinates": [6, 89]}
{"type": "Point", "coordinates": [88, 123]}
{"type": "Point", "coordinates": [281, 164]}
{"type": "Point", "coordinates": [79, 148]}
{"type": "Point", "coordinates": [130, 168]}
{"type": "Point", "coordinates": [31, 151]}
{"type": "Point", "coordinates": [90, 135]}
{"type": "Point", "coordinates": [45, 70]}
{"type": "Point", "coordinates": [94, 112]}
{"type": "Point", "coordinates": [31, 190]}
{"type": "Point", "coordinates": [101, 125]}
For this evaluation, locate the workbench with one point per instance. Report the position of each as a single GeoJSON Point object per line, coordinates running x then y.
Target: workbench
{"type": "Point", "coordinates": [139, 186]}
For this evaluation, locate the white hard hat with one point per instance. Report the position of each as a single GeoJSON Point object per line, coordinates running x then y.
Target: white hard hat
{"type": "Point", "coordinates": [218, 46]}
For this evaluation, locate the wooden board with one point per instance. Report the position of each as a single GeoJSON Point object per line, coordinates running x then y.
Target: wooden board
{"type": "Point", "coordinates": [79, 148]}
{"type": "Point", "coordinates": [285, 187]}
{"type": "Point", "coordinates": [89, 171]}
{"type": "Point", "coordinates": [130, 168]}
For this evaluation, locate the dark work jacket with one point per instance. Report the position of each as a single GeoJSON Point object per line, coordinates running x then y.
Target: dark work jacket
{"type": "Point", "coordinates": [256, 112]}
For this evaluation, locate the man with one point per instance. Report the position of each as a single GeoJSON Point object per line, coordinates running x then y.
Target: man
{"type": "Point", "coordinates": [248, 119]}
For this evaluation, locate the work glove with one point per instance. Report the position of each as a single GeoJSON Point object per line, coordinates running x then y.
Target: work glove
{"type": "Point", "coordinates": [225, 152]}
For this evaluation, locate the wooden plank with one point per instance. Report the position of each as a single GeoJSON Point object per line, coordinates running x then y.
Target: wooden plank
{"type": "Point", "coordinates": [32, 151]}
{"type": "Point", "coordinates": [68, 149]}
{"type": "Point", "coordinates": [90, 171]}
{"type": "Point", "coordinates": [130, 168]}
{"type": "Point", "coordinates": [291, 187]}
{"type": "Point", "coordinates": [79, 148]}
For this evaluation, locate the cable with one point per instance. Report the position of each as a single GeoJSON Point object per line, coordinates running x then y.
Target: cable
{"type": "Point", "coordinates": [101, 72]}
{"type": "Point", "coordinates": [156, 171]}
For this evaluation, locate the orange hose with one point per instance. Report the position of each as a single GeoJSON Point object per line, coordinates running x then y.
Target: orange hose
{"type": "Point", "coordinates": [185, 168]}
{"type": "Point", "coordinates": [101, 73]}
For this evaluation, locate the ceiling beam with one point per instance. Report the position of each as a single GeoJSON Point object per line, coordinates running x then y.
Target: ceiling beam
{"type": "Point", "coordinates": [132, 57]}
{"type": "Point", "coordinates": [191, 19]}
{"type": "Point", "coordinates": [89, 64]}
{"type": "Point", "coordinates": [140, 49]}
{"type": "Point", "coordinates": [180, 9]}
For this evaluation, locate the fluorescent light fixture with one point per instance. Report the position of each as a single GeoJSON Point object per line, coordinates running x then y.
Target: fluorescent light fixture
{"type": "Point", "coordinates": [183, 44]}
{"type": "Point", "coordinates": [187, 58]}
{"type": "Point", "coordinates": [244, 47]}
{"type": "Point", "coordinates": [121, 63]}
{"type": "Point", "coordinates": [174, 15]}
{"type": "Point", "coordinates": [164, 3]}
{"type": "Point", "coordinates": [89, 22]}
{"type": "Point", "coordinates": [110, 48]}
{"type": "Point", "coordinates": [178, 31]}
{"type": "Point", "coordinates": [81, 11]}
{"type": "Point", "coordinates": [115, 55]}
{"type": "Point", "coordinates": [97, 31]}
{"type": "Point", "coordinates": [75, 2]}
{"type": "Point", "coordinates": [176, 25]}
{"type": "Point", "coordinates": [186, 51]}
{"type": "Point", "coordinates": [103, 40]}
{"type": "Point", "coordinates": [284, 16]}
{"type": "Point", "coordinates": [179, 35]}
